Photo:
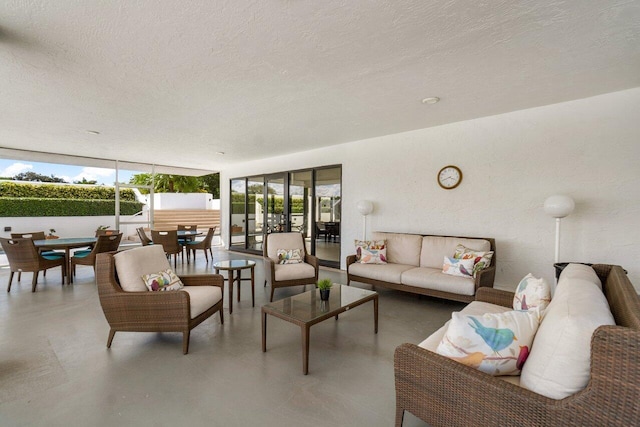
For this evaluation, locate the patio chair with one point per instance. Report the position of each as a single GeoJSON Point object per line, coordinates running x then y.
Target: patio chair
{"type": "Point", "coordinates": [36, 235]}
{"type": "Point", "coordinates": [106, 232]}
{"type": "Point", "coordinates": [281, 275]}
{"type": "Point", "coordinates": [23, 255]}
{"type": "Point", "coordinates": [169, 241]}
{"type": "Point", "coordinates": [129, 306]}
{"type": "Point", "coordinates": [204, 244]}
{"type": "Point", "coordinates": [105, 243]}
{"type": "Point", "coordinates": [144, 239]}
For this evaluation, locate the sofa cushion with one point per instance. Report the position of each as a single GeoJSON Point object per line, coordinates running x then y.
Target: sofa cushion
{"type": "Point", "coordinates": [293, 271]}
{"type": "Point", "coordinates": [559, 363]}
{"type": "Point", "coordinates": [201, 298]}
{"type": "Point", "coordinates": [434, 278]}
{"type": "Point", "coordinates": [402, 248]}
{"type": "Point", "coordinates": [532, 293]}
{"type": "Point", "coordinates": [132, 264]}
{"type": "Point", "coordinates": [494, 343]}
{"type": "Point", "coordinates": [434, 248]}
{"type": "Point", "coordinates": [580, 271]}
{"type": "Point", "coordinates": [457, 267]}
{"type": "Point", "coordinates": [385, 272]}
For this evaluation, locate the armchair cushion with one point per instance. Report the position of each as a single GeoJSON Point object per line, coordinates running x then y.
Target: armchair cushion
{"type": "Point", "coordinates": [132, 264]}
{"type": "Point", "coordinates": [294, 271]}
{"type": "Point", "coordinates": [283, 241]}
{"type": "Point", "coordinates": [201, 298]}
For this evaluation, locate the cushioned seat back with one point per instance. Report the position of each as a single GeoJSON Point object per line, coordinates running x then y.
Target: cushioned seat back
{"type": "Point", "coordinates": [132, 264]}
{"type": "Point", "coordinates": [401, 248]}
{"type": "Point", "coordinates": [286, 241]}
{"type": "Point", "coordinates": [435, 248]}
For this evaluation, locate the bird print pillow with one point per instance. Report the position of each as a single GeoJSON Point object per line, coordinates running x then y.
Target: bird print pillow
{"type": "Point", "coordinates": [494, 343]}
{"type": "Point", "coordinates": [532, 293]}
{"type": "Point", "coordinates": [371, 251]}
{"type": "Point", "coordinates": [481, 260]}
{"type": "Point", "coordinates": [457, 267]}
{"type": "Point", "coordinates": [289, 256]}
{"type": "Point", "coordinates": [165, 280]}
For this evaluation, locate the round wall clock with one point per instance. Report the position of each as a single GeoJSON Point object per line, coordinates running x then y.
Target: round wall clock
{"type": "Point", "coordinates": [449, 177]}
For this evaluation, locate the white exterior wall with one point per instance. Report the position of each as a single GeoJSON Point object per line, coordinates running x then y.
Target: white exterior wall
{"type": "Point", "coordinates": [65, 226]}
{"type": "Point", "coordinates": [588, 149]}
{"type": "Point", "coordinates": [182, 201]}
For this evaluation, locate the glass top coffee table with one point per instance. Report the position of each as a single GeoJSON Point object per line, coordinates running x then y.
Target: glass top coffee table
{"type": "Point", "coordinates": [307, 309]}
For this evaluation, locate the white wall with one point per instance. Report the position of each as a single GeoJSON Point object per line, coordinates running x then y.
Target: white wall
{"type": "Point", "coordinates": [182, 201]}
{"type": "Point", "coordinates": [588, 149]}
{"type": "Point", "coordinates": [65, 226]}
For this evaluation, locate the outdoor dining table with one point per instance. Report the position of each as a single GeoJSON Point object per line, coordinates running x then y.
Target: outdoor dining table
{"type": "Point", "coordinates": [67, 244]}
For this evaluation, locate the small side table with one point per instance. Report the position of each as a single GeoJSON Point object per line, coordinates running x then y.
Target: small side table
{"type": "Point", "coordinates": [237, 265]}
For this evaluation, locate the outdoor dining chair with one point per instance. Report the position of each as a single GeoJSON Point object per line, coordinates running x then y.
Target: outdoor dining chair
{"type": "Point", "coordinates": [23, 255]}
{"type": "Point", "coordinates": [36, 235]}
{"type": "Point", "coordinates": [105, 243]}
{"type": "Point", "coordinates": [144, 239]}
{"type": "Point", "coordinates": [204, 244]}
{"type": "Point", "coordinates": [169, 241]}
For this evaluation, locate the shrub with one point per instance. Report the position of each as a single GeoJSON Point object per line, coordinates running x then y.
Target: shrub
{"type": "Point", "coordinates": [50, 191]}
{"type": "Point", "coordinates": [34, 207]}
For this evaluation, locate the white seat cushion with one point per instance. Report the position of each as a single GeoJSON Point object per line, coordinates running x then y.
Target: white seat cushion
{"type": "Point", "coordinates": [294, 271]}
{"type": "Point", "coordinates": [132, 264]}
{"type": "Point", "coordinates": [201, 298]}
{"type": "Point", "coordinates": [580, 271]}
{"type": "Point", "coordinates": [385, 272]}
{"type": "Point", "coordinates": [286, 241]}
{"type": "Point", "coordinates": [434, 278]}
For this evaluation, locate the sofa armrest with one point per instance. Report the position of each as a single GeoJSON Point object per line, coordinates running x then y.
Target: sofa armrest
{"type": "Point", "coordinates": [485, 277]}
{"type": "Point", "coordinates": [350, 260]}
{"type": "Point", "coordinates": [495, 296]}
{"type": "Point", "coordinates": [444, 392]}
{"type": "Point", "coordinates": [203, 280]}
{"type": "Point", "coordinates": [270, 270]}
{"type": "Point", "coordinates": [312, 260]}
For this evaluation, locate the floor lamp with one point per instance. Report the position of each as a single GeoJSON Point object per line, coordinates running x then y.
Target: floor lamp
{"type": "Point", "coordinates": [365, 207]}
{"type": "Point", "coordinates": [558, 206]}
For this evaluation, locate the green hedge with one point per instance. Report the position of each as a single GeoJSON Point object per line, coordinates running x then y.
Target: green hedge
{"type": "Point", "coordinates": [50, 191]}
{"type": "Point", "coordinates": [17, 207]}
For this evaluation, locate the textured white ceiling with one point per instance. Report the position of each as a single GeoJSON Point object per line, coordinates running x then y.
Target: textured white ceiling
{"type": "Point", "coordinates": [174, 82]}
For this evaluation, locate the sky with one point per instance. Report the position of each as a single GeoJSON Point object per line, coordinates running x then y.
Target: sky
{"type": "Point", "coordinates": [69, 173]}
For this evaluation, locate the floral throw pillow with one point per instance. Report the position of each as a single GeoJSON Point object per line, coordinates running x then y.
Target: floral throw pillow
{"type": "Point", "coordinates": [481, 260]}
{"type": "Point", "coordinates": [457, 267]}
{"type": "Point", "coordinates": [371, 251]}
{"type": "Point", "coordinates": [165, 280]}
{"type": "Point", "coordinates": [494, 343]}
{"type": "Point", "coordinates": [289, 256]}
{"type": "Point", "coordinates": [532, 293]}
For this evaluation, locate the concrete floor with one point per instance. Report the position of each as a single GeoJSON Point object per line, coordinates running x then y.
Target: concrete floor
{"type": "Point", "coordinates": [55, 369]}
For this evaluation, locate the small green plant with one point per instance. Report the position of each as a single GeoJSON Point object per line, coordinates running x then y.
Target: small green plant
{"type": "Point", "coordinates": [103, 227]}
{"type": "Point", "coordinates": [324, 284]}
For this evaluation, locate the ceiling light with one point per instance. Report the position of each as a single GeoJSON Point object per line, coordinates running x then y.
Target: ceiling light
{"type": "Point", "coordinates": [220, 153]}
{"type": "Point", "coordinates": [93, 132]}
{"type": "Point", "coordinates": [431, 100]}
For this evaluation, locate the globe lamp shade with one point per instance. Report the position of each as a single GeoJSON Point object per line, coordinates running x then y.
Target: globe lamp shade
{"type": "Point", "coordinates": [365, 207]}
{"type": "Point", "coordinates": [559, 206]}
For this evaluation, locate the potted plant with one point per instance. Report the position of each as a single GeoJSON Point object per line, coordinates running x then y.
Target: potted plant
{"type": "Point", "coordinates": [325, 286]}
{"type": "Point", "coordinates": [51, 235]}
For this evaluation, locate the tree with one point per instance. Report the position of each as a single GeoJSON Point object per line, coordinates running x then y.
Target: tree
{"type": "Point", "coordinates": [168, 183]}
{"type": "Point", "coordinates": [36, 177]}
{"type": "Point", "coordinates": [211, 184]}
{"type": "Point", "coordinates": [84, 181]}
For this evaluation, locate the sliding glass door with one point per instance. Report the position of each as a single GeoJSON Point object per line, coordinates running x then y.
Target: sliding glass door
{"type": "Point", "coordinates": [307, 201]}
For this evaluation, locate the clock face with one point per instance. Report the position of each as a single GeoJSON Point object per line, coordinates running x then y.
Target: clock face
{"type": "Point", "coordinates": [449, 177]}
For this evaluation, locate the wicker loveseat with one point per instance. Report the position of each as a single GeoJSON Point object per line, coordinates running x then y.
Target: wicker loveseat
{"type": "Point", "coordinates": [444, 392]}
{"type": "Point", "coordinates": [414, 264]}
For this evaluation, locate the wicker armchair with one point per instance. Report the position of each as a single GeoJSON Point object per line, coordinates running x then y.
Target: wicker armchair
{"type": "Point", "coordinates": [443, 392]}
{"type": "Point", "coordinates": [147, 311]}
{"type": "Point", "coordinates": [144, 239]}
{"type": "Point", "coordinates": [23, 255]}
{"type": "Point", "coordinates": [281, 275]}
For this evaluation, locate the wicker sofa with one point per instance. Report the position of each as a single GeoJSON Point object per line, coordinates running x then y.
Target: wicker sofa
{"type": "Point", "coordinates": [415, 265]}
{"type": "Point", "coordinates": [444, 392]}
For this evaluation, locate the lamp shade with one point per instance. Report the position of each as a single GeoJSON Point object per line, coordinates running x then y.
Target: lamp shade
{"type": "Point", "coordinates": [365, 207]}
{"type": "Point", "coordinates": [559, 206]}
